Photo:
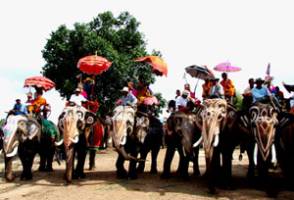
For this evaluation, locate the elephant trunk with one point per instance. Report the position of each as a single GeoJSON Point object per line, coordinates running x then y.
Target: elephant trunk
{"type": "Point", "coordinates": [8, 169]}
{"type": "Point", "coordinates": [69, 163]}
{"type": "Point", "coordinates": [123, 152]}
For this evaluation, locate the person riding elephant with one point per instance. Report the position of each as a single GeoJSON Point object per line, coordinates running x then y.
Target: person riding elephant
{"type": "Point", "coordinates": [75, 124]}
{"type": "Point", "coordinates": [24, 136]}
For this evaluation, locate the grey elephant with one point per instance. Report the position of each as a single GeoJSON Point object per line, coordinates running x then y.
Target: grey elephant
{"type": "Point", "coordinates": [26, 137]}
{"type": "Point", "coordinates": [75, 124]}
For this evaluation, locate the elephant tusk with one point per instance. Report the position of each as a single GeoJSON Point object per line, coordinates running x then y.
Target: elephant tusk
{"type": "Point", "coordinates": [196, 144]}
{"type": "Point", "coordinates": [255, 154]}
{"type": "Point", "coordinates": [13, 153]}
{"type": "Point", "coordinates": [216, 140]}
{"type": "Point", "coordinates": [184, 152]}
{"type": "Point", "coordinates": [274, 154]}
{"type": "Point", "coordinates": [124, 140]}
{"type": "Point", "coordinates": [1, 151]}
{"type": "Point", "coordinates": [75, 140]}
{"type": "Point", "coordinates": [59, 143]}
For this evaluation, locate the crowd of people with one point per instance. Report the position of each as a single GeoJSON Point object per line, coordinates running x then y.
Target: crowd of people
{"type": "Point", "coordinates": [258, 90]}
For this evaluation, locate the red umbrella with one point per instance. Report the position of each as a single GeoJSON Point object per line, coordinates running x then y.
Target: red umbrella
{"type": "Point", "coordinates": [158, 65]}
{"type": "Point", "coordinates": [39, 82]}
{"type": "Point", "coordinates": [226, 67]}
{"type": "Point", "coordinates": [93, 64]}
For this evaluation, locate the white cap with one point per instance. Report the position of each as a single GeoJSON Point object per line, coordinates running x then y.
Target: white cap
{"type": "Point", "coordinates": [185, 92]}
{"type": "Point", "coordinates": [78, 90]}
{"type": "Point", "coordinates": [125, 89]}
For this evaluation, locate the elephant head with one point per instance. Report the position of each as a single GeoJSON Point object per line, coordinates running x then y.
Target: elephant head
{"type": "Point", "coordinates": [123, 121]}
{"type": "Point", "coordinates": [185, 127]}
{"type": "Point", "coordinates": [19, 128]}
{"type": "Point", "coordinates": [213, 119]}
{"type": "Point", "coordinates": [263, 121]}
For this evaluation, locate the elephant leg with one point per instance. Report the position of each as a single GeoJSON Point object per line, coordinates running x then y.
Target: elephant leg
{"type": "Point", "coordinates": [81, 153]}
{"type": "Point", "coordinates": [196, 171]}
{"type": "Point", "coordinates": [154, 154]}
{"type": "Point", "coordinates": [49, 159]}
{"type": "Point", "coordinates": [143, 155]}
{"type": "Point", "coordinates": [92, 155]}
{"type": "Point", "coordinates": [133, 163]}
{"type": "Point", "coordinates": [170, 152]}
{"type": "Point", "coordinates": [120, 170]}
{"type": "Point", "coordinates": [213, 170]}
{"type": "Point", "coordinates": [42, 166]}
{"type": "Point", "coordinates": [227, 169]}
{"type": "Point", "coordinates": [8, 169]}
{"type": "Point", "coordinates": [183, 165]}
{"type": "Point", "coordinates": [251, 167]}
{"type": "Point", "coordinates": [69, 151]}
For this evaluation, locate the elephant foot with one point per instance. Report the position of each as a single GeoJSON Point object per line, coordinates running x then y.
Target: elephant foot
{"type": "Point", "coordinates": [140, 169]}
{"type": "Point", "coordinates": [26, 177]}
{"type": "Point", "coordinates": [49, 169]}
{"type": "Point", "coordinates": [121, 174]}
{"type": "Point", "coordinates": [165, 175]}
{"type": "Point", "coordinates": [196, 173]}
{"type": "Point", "coordinates": [42, 169]}
{"type": "Point", "coordinates": [79, 176]}
{"type": "Point", "coordinates": [153, 171]}
{"type": "Point", "coordinates": [91, 167]}
{"type": "Point", "coordinates": [212, 190]}
{"type": "Point", "coordinates": [9, 178]}
{"type": "Point", "coordinates": [68, 181]}
{"type": "Point", "coordinates": [133, 176]}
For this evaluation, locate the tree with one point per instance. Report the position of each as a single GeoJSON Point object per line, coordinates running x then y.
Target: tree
{"type": "Point", "coordinates": [117, 39]}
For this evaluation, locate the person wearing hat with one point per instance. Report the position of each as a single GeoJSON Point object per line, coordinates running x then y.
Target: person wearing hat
{"type": "Point", "coordinates": [78, 98]}
{"type": "Point", "coordinates": [206, 88]}
{"type": "Point", "coordinates": [19, 108]}
{"type": "Point", "coordinates": [127, 99]}
{"type": "Point", "coordinates": [260, 92]}
{"type": "Point", "coordinates": [216, 90]}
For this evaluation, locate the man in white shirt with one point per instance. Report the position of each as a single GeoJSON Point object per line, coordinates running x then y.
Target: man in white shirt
{"type": "Point", "coordinates": [181, 101]}
{"type": "Point", "coordinates": [77, 98]}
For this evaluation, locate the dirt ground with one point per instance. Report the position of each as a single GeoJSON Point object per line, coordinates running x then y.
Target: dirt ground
{"type": "Point", "coordinates": [101, 183]}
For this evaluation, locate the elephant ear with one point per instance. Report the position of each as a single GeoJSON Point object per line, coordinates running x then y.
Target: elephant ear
{"type": "Point", "coordinates": [231, 116]}
{"type": "Point", "coordinates": [90, 118]}
{"type": "Point", "coordinates": [198, 118]}
{"type": "Point", "coordinates": [33, 129]}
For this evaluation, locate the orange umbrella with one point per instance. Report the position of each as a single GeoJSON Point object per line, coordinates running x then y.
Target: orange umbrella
{"type": "Point", "coordinates": [158, 65]}
{"type": "Point", "coordinates": [39, 82]}
{"type": "Point", "coordinates": [93, 64]}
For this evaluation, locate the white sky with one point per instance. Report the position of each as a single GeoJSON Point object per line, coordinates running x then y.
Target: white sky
{"type": "Point", "coordinates": [247, 33]}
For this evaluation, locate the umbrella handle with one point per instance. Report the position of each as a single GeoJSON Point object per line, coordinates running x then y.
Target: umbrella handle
{"type": "Point", "coordinates": [196, 85]}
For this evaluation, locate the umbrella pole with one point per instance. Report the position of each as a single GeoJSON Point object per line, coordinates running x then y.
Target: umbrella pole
{"type": "Point", "coordinates": [196, 85]}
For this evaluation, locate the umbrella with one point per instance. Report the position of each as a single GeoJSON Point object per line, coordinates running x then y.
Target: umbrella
{"type": "Point", "coordinates": [226, 67]}
{"type": "Point", "coordinates": [93, 64]}
{"type": "Point", "coordinates": [289, 88]}
{"type": "Point", "coordinates": [158, 65]}
{"type": "Point", "coordinates": [199, 72]}
{"type": "Point", "coordinates": [151, 101]}
{"type": "Point", "coordinates": [39, 82]}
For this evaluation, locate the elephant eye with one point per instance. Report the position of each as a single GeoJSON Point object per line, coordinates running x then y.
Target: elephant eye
{"type": "Point", "coordinates": [90, 120]}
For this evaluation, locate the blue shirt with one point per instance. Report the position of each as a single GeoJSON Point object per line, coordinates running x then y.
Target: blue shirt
{"type": "Point", "coordinates": [130, 99]}
{"type": "Point", "coordinates": [20, 109]}
{"type": "Point", "coordinates": [259, 94]}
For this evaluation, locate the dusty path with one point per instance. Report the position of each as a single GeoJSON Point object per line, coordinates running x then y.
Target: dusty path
{"type": "Point", "coordinates": [101, 183]}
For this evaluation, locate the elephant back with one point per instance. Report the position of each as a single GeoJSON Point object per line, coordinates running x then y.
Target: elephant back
{"type": "Point", "coordinates": [49, 129]}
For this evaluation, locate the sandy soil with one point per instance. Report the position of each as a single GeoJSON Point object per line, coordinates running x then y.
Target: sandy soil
{"type": "Point", "coordinates": [101, 183]}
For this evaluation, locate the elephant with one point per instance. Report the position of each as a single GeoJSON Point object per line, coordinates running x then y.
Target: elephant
{"type": "Point", "coordinates": [129, 130]}
{"type": "Point", "coordinates": [221, 132]}
{"type": "Point", "coordinates": [182, 132]}
{"type": "Point", "coordinates": [74, 124]}
{"type": "Point", "coordinates": [285, 146]}
{"type": "Point", "coordinates": [26, 137]}
{"type": "Point", "coordinates": [21, 136]}
{"type": "Point", "coordinates": [152, 142]}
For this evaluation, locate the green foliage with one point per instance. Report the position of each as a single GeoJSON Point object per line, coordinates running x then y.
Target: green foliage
{"type": "Point", "coordinates": [117, 39]}
{"type": "Point", "coordinates": [238, 101]}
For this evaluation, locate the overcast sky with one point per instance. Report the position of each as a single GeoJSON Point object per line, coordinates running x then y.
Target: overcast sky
{"type": "Point", "coordinates": [248, 33]}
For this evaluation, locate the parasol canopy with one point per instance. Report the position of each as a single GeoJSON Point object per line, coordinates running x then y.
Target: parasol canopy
{"type": "Point", "coordinates": [226, 67]}
{"type": "Point", "coordinates": [93, 65]}
{"type": "Point", "coordinates": [158, 65]}
{"type": "Point", "coordinates": [289, 88]}
{"type": "Point", "coordinates": [39, 82]}
{"type": "Point", "coordinates": [199, 72]}
{"type": "Point", "coordinates": [151, 100]}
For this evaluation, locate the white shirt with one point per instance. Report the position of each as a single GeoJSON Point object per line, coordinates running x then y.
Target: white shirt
{"type": "Point", "coordinates": [77, 99]}
{"type": "Point", "coordinates": [180, 101]}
